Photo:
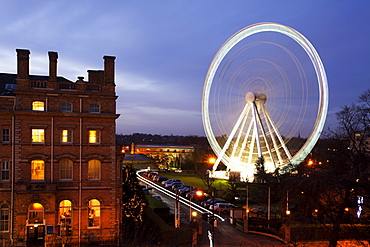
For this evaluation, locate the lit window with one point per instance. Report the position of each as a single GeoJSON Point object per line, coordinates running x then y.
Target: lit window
{"type": "Point", "coordinates": [66, 169]}
{"type": "Point", "coordinates": [65, 212]}
{"type": "Point", "coordinates": [37, 170]}
{"type": "Point", "coordinates": [5, 135]}
{"type": "Point", "coordinates": [36, 214]}
{"type": "Point", "coordinates": [94, 136]}
{"type": "Point", "coordinates": [4, 218]}
{"type": "Point", "coordinates": [66, 107]}
{"type": "Point", "coordinates": [5, 170]}
{"type": "Point", "coordinates": [94, 213]}
{"type": "Point", "coordinates": [94, 108]}
{"type": "Point", "coordinates": [38, 106]}
{"type": "Point", "coordinates": [38, 135]}
{"type": "Point", "coordinates": [94, 169]}
{"type": "Point", "coordinates": [67, 136]}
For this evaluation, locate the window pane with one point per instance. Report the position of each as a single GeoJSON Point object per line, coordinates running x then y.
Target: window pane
{"type": "Point", "coordinates": [4, 218]}
{"type": "Point", "coordinates": [94, 213]}
{"type": "Point", "coordinates": [37, 170]}
{"type": "Point", "coordinates": [94, 108]}
{"type": "Point", "coordinates": [38, 106]}
{"type": "Point", "coordinates": [94, 169]}
{"type": "Point", "coordinates": [5, 171]}
{"type": "Point", "coordinates": [38, 135]}
{"type": "Point", "coordinates": [5, 135]}
{"type": "Point", "coordinates": [67, 136]}
{"type": "Point", "coordinates": [65, 211]}
{"type": "Point", "coordinates": [94, 136]}
{"type": "Point", "coordinates": [66, 107]}
{"type": "Point", "coordinates": [66, 169]}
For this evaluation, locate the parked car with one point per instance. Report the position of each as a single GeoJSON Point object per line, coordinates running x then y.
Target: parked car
{"type": "Point", "coordinates": [210, 202]}
{"type": "Point", "coordinates": [176, 185]}
{"type": "Point", "coordinates": [184, 189]}
{"type": "Point", "coordinates": [160, 178]}
{"type": "Point", "coordinates": [222, 207]}
{"type": "Point", "coordinates": [170, 181]}
{"type": "Point", "coordinates": [158, 198]}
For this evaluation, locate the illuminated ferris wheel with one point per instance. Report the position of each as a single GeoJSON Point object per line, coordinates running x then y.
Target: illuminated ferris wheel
{"type": "Point", "coordinates": [265, 96]}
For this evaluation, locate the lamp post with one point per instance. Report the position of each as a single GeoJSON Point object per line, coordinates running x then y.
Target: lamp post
{"type": "Point", "coordinates": [213, 217]}
{"type": "Point", "coordinates": [177, 211]}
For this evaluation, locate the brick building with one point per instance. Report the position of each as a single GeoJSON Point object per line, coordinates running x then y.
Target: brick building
{"type": "Point", "coordinates": [60, 179]}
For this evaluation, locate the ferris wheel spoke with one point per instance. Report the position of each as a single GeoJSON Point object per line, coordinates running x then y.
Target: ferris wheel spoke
{"type": "Point", "coordinates": [231, 136]}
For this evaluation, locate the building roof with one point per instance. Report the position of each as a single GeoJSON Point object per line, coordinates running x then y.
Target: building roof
{"type": "Point", "coordinates": [8, 82]}
{"type": "Point", "coordinates": [164, 146]}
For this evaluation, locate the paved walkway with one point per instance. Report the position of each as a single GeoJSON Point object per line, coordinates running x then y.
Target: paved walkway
{"type": "Point", "coordinates": [227, 235]}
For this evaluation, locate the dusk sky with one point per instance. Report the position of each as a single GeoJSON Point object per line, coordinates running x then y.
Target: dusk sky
{"type": "Point", "coordinates": [164, 48]}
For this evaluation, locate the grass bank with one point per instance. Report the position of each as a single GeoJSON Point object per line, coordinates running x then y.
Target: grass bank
{"type": "Point", "coordinates": [194, 180]}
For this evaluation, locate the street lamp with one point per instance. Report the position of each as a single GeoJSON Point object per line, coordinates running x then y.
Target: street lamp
{"type": "Point", "coordinates": [197, 193]}
{"type": "Point", "coordinates": [212, 160]}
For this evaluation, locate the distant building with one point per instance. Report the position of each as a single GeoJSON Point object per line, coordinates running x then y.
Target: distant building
{"type": "Point", "coordinates": [138, 161]}
{"type": "Point", "coordinates": [167, 156]}
{"type": "Point", "coordinates": [60, 179]}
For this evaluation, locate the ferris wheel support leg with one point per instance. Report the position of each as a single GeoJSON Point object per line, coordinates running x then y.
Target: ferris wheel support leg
{"type": "Point", "coordinates": [232, 134]}
{"type": "Point", "coordinates": [272, 135]}
{"type": "Point", "coordinates": [254, 113]}
{"type": "Point", "coordinates": [245, 140]}
{"type": "Point", "coordinates": [279, 137]}
{"type": "Point", "coordinates": [265, 138]}
{"type": "Point", "coordinates": [235, 147]}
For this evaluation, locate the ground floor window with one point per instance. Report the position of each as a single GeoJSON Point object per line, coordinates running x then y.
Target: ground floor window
{"type": "Point", "coordinates": [94, 213]}
{"type": "Point", "coordinates": [65, 212]}
{"type": "Point", "coordinates": [4, 218]}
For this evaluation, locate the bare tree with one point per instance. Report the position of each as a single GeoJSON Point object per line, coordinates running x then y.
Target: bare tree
{"type": "Point", "coordinates": [329, 195]}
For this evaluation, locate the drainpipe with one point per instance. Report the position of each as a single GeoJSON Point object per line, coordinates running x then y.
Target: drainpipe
{"type": "Point", "coordinates": [80, 182]}
{"type": "Point", "coordinates": [12, 200]}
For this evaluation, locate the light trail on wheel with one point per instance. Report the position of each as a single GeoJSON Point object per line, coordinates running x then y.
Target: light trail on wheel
{"type": "Point", "coordinates": [291, 95]}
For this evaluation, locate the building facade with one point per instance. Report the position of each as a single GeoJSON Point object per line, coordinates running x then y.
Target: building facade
{"type": "Point", "coordinates": [60, 177]}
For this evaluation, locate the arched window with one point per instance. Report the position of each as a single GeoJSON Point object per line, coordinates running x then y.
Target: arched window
{"type": "Point", "coordinates": [94, 169]}
{"type": "Point", "coordinates": [37, 170]}
{"type": "Point", "coordinates": [94, 108]}
{"type": "Point", "coordinates": [65, 167]}
{"type": "Point", "coordinates": [38, 106]}
{"type": "Point", "coordinates": [66, 107]}
{"type": "Point", "coordinates": [65, 212]}
{"type": "Point", "coordinates": [94, 213]}
{"type": "Point", "coordinates": [4, 218]}
{"type": "Point", "coordinates": [36, 214]}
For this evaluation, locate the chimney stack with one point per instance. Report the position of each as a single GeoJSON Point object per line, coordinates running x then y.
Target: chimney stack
{"type": "Point", "coordinates": [23, 70]}
{"type": "Point", "coordinates": [109, 69]}
{"type": "Point", "coordinates": [53, 60]}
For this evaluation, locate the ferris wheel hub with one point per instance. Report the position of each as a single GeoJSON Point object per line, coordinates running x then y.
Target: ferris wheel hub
{"type": "Point", "coordinates": [250, 97]}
